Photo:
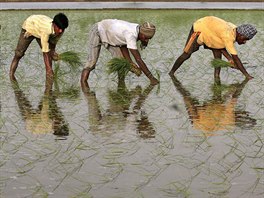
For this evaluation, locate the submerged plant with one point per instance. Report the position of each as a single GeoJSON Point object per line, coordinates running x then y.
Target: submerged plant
{"type": "Point", "coordinates": [220, 63]}
{"type": "Point", "coordinates": [121, 67]}
{"type": "Point", "coordinates": [71, 58]}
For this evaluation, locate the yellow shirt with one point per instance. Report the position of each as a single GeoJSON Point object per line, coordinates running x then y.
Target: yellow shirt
{"type": "Point", "coordinates": [40, 123]}
{"type": "Point", "coordinates": [215, 117]}
{"type": "Point", "coordinates": [216, 33]}
{"type": "Point", "coordinates": [39, 26]}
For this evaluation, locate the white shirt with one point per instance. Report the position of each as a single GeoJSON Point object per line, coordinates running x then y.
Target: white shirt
{"type": "Point", "coordinates": [119, 33]}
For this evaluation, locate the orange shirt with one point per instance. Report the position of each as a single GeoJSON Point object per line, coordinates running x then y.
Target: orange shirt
{"type": "Point", "coordinates": [216, 33]}
{"type": "Point", "coordinates": [215, 117]}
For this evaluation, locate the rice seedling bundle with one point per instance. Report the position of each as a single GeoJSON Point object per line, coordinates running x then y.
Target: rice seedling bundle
{"type": "Point", "coordinates": [121, 67]}
{"type": "Point", "coordinates": [221, 63]}
{"type": "Point", "coordinates": [71, 58]}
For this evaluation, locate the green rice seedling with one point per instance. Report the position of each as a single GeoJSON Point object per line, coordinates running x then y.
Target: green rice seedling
{"type": "Point", "coordinates": [121, 67]}
{"type": "Point", "coordinates": [71, 58]}
{"type": "Point", "coordinates": [220, 63]}
{"type": "Point", "coordinates": [158, 77]}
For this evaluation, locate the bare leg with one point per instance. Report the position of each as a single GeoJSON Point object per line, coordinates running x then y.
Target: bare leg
{"type": "Point", "coordinates": [179, 62]}
{"type": "Point", "coordinates": [217, 70]}
{"type": "Point", "coordinates": [85, 75]}
{"type": "Point", "coordinates": [22, 46]}
{"type": "Point", "coordinates": [193, 46]}
{"type": "Point", "coordinates": [94, 47]}
{"type": "Point", "coordinates": [13, 67]}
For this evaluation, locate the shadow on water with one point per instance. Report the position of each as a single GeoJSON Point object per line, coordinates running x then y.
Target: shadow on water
{"type": "Point", "coordinates": [218, 113]}
{"type": "Point", "coordinates": [47, 118]}
{"type": "Point", "coordinates": [124, 112]}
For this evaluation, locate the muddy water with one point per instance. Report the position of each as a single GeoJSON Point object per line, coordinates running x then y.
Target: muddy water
{"type": "Point", "coordinates": [187, 137]}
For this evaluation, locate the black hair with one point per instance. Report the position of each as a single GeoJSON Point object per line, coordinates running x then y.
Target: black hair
{"type": "Point", "coordinates": [61, 21]}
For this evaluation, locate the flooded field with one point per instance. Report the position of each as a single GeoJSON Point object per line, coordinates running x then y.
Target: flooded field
{"type": "Point", "coordinates": [187, 137]}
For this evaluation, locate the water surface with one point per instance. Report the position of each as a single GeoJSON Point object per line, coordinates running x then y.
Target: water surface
{"type": "Point", "coordinates": [187, 137]}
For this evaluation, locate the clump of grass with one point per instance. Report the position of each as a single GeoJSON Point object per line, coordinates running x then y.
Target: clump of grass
{"type": "Point", "coordinates": [220, 63]}
{"type": "Point", "coordinates": [121, 67]}
{"type": "Point", "coordinates": [71, 58]}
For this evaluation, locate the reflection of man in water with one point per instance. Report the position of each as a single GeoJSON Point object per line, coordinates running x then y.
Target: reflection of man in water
{"type": "Point", "coordinates": [220, 112]}
{"type": "Point", "coordinates": [47, 118]}
{"type": "Point", "coordinates": [120, 115]}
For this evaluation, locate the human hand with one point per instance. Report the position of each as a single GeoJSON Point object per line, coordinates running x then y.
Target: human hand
{"type": "Point", "coordinates": [249, 77]}
{"type": "Point", "coordinates": [233, 65]}
{"type": "Point", "coordinates": [135, 69]}
{"type": "Point", "coordinates": [231, 61]}
{"type": "Point", "coordinates": [55, 56]}
{"type": "Point", "coordinates": [154, 81]}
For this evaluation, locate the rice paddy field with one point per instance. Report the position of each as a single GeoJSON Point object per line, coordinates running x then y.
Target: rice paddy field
{"type": "Point", "coordinates": [189, 136]}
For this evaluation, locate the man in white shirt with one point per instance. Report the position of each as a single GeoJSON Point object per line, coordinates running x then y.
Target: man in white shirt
{"type": "Point", "coordinates": [120, 39]}
{"type": "Point", "coordinates": [47, 32]}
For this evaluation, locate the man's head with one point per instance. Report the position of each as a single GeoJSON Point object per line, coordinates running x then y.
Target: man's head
{"type": "Point", "coordinates": [60, 22]}
{"type": "Point", "coordinates": [245, 32]}
{"type": "Point", "coordinates": [146, 32]}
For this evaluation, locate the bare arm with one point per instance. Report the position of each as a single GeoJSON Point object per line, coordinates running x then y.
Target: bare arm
{"type": "Point", "coordinates": [52, 45]}
{"type": "Point", "coordinates": [48, 63]}
{"type": "Point", "coordinates": [227, 55]}
{"type": "Point", "coordinates": [54, 56]}
{"type": "Point", "coordinates": [125, 53]}
{"type": "Point", "coordinates": [240, 66]}
{"type": "Point", "coordinates": [143, 66]}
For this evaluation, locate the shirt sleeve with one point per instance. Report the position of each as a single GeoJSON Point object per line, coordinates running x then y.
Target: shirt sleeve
{"type": "Point", "coordinates": [229, 38]}
{"type": "Point", "coordinates": [131, 41]}
{"type": "Point", "coordinates": [230, 47]}
{"type": "Point", "coordinates": [45, 43]}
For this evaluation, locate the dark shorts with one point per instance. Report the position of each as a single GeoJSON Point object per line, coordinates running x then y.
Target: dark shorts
{"type": "Point", "coordinates": [24, 42]}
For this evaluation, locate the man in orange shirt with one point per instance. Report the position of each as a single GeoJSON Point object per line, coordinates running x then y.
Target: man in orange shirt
{"type": "Point", "coordinates": [219, 36]}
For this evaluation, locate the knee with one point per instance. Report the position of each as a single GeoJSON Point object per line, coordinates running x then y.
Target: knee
{"type": "Point", "coordinates": [19, 54]}
{"type": "Point", "coordinates": [89, 68]}
{"type": "Point", "coordinates": [186, 56]}
{"type": "Point", "coordinates": [90, 65]}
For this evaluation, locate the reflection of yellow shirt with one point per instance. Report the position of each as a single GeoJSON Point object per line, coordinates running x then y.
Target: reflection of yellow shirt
{"type": "Point", "coordinates": [39, 26]}
{"type": "Point", "coordinates": [40, 123]}
{"type": "Point", "coordinates": [214, 117]}
{"type": "Point", "coordinates": [216, 33]}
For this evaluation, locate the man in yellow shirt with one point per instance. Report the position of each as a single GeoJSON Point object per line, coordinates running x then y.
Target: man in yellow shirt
{"type": "Point", "coordinates": [219, 36]}
{"type": "Point", "coordinates": [47, 32]}
{"type": "Point", "coordinates": [47, 117]}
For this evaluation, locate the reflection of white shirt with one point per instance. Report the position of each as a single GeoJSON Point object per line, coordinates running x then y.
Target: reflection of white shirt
{"type": "Point", "coordinates": [119, 33]}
